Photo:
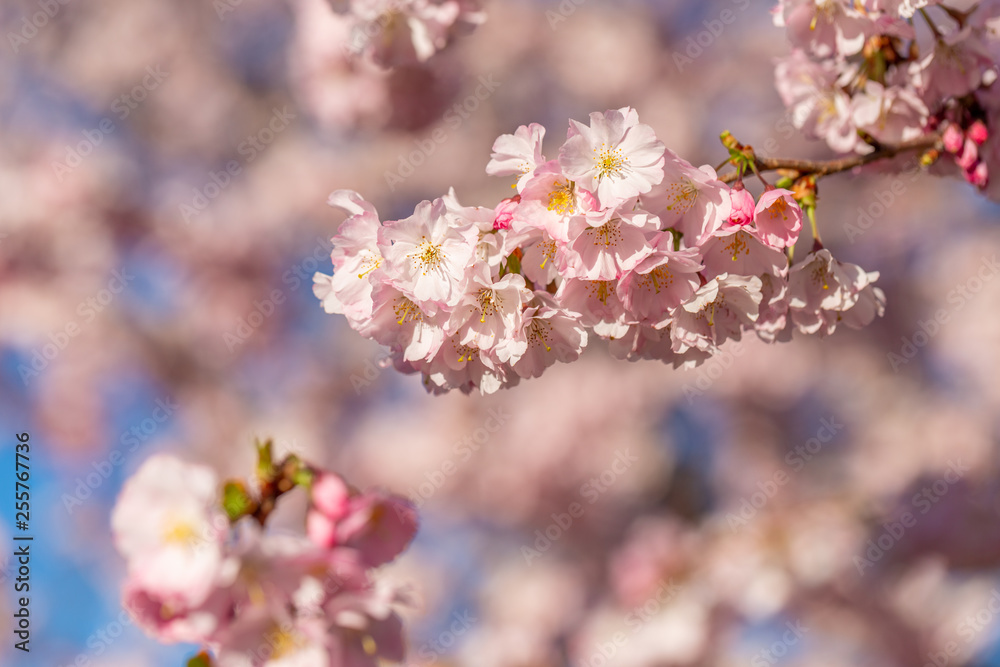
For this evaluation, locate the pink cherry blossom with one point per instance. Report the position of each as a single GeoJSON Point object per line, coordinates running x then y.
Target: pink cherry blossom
{"type": "Point", "coordinates": [518, 154]}
{"type": "Point", "coordinates": [606, 245]}
{"type": "Point", "coordinates": [690, 200]}
{"type": "Point", "coordinates": [778, 218]}
{"type": "Point", "coordinates": [427, 255]}
{"type": "Point", "coordinates": [170, 526]}
{"type": "Point", "coordinates": [661, 282]}
{"type": "Point", "coordinates": [489, 310]}
{"type": "Point", "coordinates": [355, 256]}
{"type": "Point", "coordinates": [825, 27]}
{"type": "Point", "coordinates": [399, 323]}
{"type": "Point", "coordinates": [743, 205]}
{"type": "Point", "coordinates": [615, 157]}
{"type": "Point", "coordinates": [549, 334]}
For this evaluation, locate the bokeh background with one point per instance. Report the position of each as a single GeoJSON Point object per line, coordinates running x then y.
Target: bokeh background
{"type": "Point", "coordinates": [146, 216]}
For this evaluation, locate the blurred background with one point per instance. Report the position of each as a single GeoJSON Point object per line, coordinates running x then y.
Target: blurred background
{"type": "Point", "coordinates": [164, 168]}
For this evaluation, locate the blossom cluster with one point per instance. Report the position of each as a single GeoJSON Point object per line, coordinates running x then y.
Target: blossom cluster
{"type": "Point", "coordinates": [203, 570]}
{"type": "Point", "coordinates": [864, 74]}
{"type": "Point", "coordinates": [618, 237]}
{"type": "Point", "coordinates": [391, 33]}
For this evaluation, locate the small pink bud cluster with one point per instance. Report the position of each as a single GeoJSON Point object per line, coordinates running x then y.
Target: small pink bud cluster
{"type": "Point", "coordinates": [253, 597]}
{"type": "Point", "coordinates": [618, 237]}
{"type": "Point", "coordinates": [965, 145]}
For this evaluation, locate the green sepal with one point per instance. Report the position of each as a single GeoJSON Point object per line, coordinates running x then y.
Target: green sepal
{"type": "Point", "coordinates": [236, 501]}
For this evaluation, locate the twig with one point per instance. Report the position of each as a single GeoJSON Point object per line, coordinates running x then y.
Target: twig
{"type": "Point", "coordinates": [826, 168]}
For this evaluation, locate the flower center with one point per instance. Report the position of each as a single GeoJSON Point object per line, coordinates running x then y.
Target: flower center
{"type": "Point", "coordinates": [682, 196]}
{"type": "Point", "coordinates": [541, 333]}
{"type": "Point", "coordinates": [465, 352]}
{"type": "Point", "coordinates": [407, 311]}
{"type": "Point", "coordinates": [427, 256]}
{"type": "Point", "coordinates": [738, 245]}
{"type": "Point", "coordinates": [601, 289]}
{"type": "Point", "coordinates": [371, 262]}
{"type": "Point", "coordinates": [489, 303]}
{"type": "Point", "coordinates": [608, 234]}
{"type": "Point", "coordinates": [610, 161]}
{"type": "Point", "coordinates": [180, 532]}
{"type": "Point", "coordinates": [548, 249]}
{"type": "Point", "coordinates": [284, 642]}
{"type": "Point", "coordinates": [819, 275]}
{"type": "Point", "coordinates": [562, 199]}
{"type": "Point", "coordinates": [657, 279]}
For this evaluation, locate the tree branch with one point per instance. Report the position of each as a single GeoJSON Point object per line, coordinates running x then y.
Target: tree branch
{"type": "Point", "coordinates": [820, 169]}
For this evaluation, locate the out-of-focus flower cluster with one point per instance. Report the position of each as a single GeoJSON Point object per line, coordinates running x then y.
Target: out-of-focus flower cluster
{"type": "Point", "coordinates": [377, 63]}
{"type": "Point", "coordinates": [400, 32]}
{"type": "Point", "coordinates": [202, 569]}
{"type": "Point", "coordinates": [618, 237]}
{"type": "Point", "coordinates": [865, 74]}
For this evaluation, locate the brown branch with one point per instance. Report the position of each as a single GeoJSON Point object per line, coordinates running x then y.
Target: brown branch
{"type": "Point", "coordinates": [819, 169]}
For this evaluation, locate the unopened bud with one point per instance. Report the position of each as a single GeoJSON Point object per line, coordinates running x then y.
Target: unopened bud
{"type": "Point", "coordinates": [978, 132]}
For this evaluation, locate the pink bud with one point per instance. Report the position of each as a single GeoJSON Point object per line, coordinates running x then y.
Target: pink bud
{"type": "Point", "coordinates": [321, 529]}
{"type": "Point", "coordinates": [953, 139]}
{"type": "Point", "coordinates": [330, 495]}
{"type": "Point", "coordinates": [979, 175]}
{"type": "Point", "coordinates": [969, 156]}
{"type": "Point", "coordinates": [743, 206]}
{"type": "Point", "coordinates": [978, 132]}
{"type": "Point", "coordinates": [504, 212]}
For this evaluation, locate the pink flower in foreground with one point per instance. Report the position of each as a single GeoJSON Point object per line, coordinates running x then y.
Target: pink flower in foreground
{"type": "Point", "coordinates": [549, 334]}
{"type": "Point", "coordinates": [355, 257]}
{"type": "Point", "coordinates": [428, 255]}
{"type": "Point", "coordinates": [615, 157]}
{"type": "Point", "coordinates": [719, 311]}
{"type": "Point", "coordinates": [550, 200]}
{"type": "Point", "coordinates": [661, 282]}
{"type": "Point", "coordinates": [170, 526]}
{"type": "Point", "coordinates": [691, 200]}
{"type": "Point", "coordinates": [743, 205]}
{"type": "Point", "coordinates": [490, 310]}
{"type": "Point", "coordinates": [400, 324]}
{"type": "Point", "coordinates": [377, 525]}
{"type": "Point", "coordinates": [518, 154]}
{"type": "Point", "coordinates": [606, 245]}
{"type": "Point", "coordinates": [778, 218]}
{"type": "Point", "coordinates": [821, 289]}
